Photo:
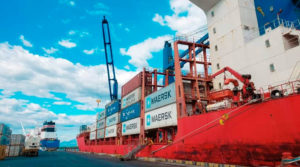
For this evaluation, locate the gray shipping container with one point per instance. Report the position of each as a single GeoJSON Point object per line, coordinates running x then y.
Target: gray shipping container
{"type": "Point", "coordinates": [101, 124]}
{"type": "Point", "coordinates": [15, 151]}
{"type": "Point", "coordinates": [160, 98]}
{"type": "Point", "coordinates": [17, 139]}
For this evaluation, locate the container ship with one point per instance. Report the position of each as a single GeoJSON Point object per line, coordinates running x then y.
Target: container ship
{"type": "Point", "coordinates": [231, 98]}
{"type": "Point", "coordinates": [48, 137]}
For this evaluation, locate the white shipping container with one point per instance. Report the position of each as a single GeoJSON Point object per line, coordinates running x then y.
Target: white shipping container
{"type": "Point", "coordinates": [161, 117]}
{"type": "Point", "coordinates": [131, 98]}
{"type": "Point", "coordinates": [93, 127]}
{"type": "Point", "coordinates": [93, 135]}
{"type": "Point", "coordinates": [131, 127]}
{"type": "Point", "coordinates": [111, 131]}
{"type": "Point", "coordinates": [100, 133]}
{"type": "Point", "coordinates": [113, 119]}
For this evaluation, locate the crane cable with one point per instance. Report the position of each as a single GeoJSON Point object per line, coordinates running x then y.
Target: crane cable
{"type": "Point", "coordinates": [213, 121]}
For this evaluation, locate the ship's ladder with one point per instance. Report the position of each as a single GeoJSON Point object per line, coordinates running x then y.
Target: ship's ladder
{"type": "Point", "coordinates": [219, 120]}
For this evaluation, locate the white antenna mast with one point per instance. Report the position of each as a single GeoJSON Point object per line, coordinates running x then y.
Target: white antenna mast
{"type": "Point", "coordinates": [23, 128]}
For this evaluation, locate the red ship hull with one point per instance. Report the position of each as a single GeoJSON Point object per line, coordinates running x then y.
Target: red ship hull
{"type": "Point", "coordinates": [255, 135]}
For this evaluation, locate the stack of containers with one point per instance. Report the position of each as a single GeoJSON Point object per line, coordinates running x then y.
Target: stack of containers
{"type": "Point", "coordinates": [112, 118]}
{"type": "Point", "coordinates": [131, 106]}
{"type": "Point", "coordinates": [93, 131]}
{"type": "Point", "coordinates": [100, 124]}
{"type": "Point", "coordinates": [16, 145]}
{"type": "Point", "coordinates": [160, 108]}
{"type": "Point", "coordinates": [5, 134]}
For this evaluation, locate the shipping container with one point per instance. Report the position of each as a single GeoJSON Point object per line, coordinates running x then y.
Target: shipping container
{"type": "Point", "coordinates": [83, 128]}
{"type": "Point", "coordinates": [111, 131]}
{"type": "Point", "coordinates": [101, 124]}
{"type": "Point", "coordinates": [4, 130]}
{"type": "Point", "coordinates": [160, 98]}
{"type": "Point", "coordinates": [92, 127]}
{"type": "Point", "coordinates": [17, 139]}
{"type": "Point", "coordinates": [92, 135]}
{"type": "Point", "coordinates": [4, 140]}
{"type": "Point", "coordinates": [132, 84]}
{"type": "Point", "coordinates": [15, 151]}
{"type": "Point", "coordinates": [131, 112]}
{"type": "Point", "coordinates": [101, 115]}
{"type": "Point", "coordinates": [161, 117]}
{"type": "Point", "coordinates": [112, 107]}
{"type": "Point", "coordinates": [113, 119]}
{"type": "Point", "coordinates": [131, 98]}
{"type": "Point", "coordinates": [131, 127]}
{"type": "Point", "coordinates": [100, 133]}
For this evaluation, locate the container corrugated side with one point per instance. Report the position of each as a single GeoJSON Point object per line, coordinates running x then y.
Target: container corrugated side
{"type": "Point", "coordinates": [101, 124]}
{"type": "Point", "coordinates": [131, 112]}
{"type": "Point", "coordinates": [112, 107]}
{"type": "Point", "coordinates": [100, 133]}
{"type": "Point", "coordinates": [131, 98]}
{"type": "Point", "coordinates": [93, 127]}
{"type": "Point", "coordinates": [161, 117]}
{"type": "Point", "coordinates": [113, 119]}
{"type": "Point", "coordinates": [111, 131]}
{"type": "Point", "coordinates": [101, 115]}
{"type": "Point", "coordinates": [132, 84]}
{"type": "Point", "coordinates": [93, 135]}
{"type": "Point", "coordinates": [131, 127]}
{"type": "Point", "coordinates": [160, 98]}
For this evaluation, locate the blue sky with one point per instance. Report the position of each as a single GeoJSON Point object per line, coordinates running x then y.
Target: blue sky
{"type": "Point", "coordinates": [52, 61]}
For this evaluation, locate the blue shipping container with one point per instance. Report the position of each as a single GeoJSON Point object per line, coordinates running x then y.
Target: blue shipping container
{"type": "Point", "coordinates": [160, 98]}
{"type": "Point", "coordinates": [113, 107]}
{"type": "Point", "coordinates": [131, 112]}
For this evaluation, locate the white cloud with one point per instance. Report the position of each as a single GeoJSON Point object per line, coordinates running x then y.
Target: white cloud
{"type": "Point", "coordinates": [127, 67]}
{"type": "Point", "coordinates": [66, 43]}
{"type": "Point", "coordinates": [62, 103]}
{"type": "Point", "coordinates": [72, 32]}
{"type": "Point", "coordinates": [186, 17]}
{"type": "Point", "coordinates": [158, 18]}
{"type": "Point", "coordinates": [25, 42]}
{"type": "Point", "coordinates": [84, 34]}
{"type": "Point", "coordinates": [38, 76]}
{"type": "Point", "coordinates": [14, 111]}
{"type": "Point", "coordinates": [142, 52]}
{"type": "Point", "coordinates": [127, 29]}
{"type": "Point", "coordinates": [72, 3]}
{"type": "Point", "coordinates": [50, 51]}
{"type": "Point", "coordinates": [89, 52]}
{"type": "Point", "coordinates": [123, 51]}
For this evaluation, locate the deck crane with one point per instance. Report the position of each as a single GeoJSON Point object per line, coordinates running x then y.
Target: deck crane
{"type": "Point", "coordinates": [112, 81]}
{"type": "Point", "coordinates": [248, 86]}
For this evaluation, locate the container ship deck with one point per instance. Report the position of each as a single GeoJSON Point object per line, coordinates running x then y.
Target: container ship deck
{"type": "Point", "coordinates": [205, 110]}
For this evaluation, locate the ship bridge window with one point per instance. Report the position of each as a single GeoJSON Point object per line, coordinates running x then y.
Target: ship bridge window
{"type": "Point", "coordinates": [218, 66]}
{"type": "Point", "coordinates": [212, 14]}
{"type": "Point", "coordinates": [214, 30]}
{"type": "Point", "coordinates": [272, 67]}
{"type": "Point", "coordinates": [267, 43]}
{"type": "Point", "coordinates": [216, 47]}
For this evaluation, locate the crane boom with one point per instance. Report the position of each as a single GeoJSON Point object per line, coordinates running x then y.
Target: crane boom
{"type": "Point", "coordinates": [112, 81]}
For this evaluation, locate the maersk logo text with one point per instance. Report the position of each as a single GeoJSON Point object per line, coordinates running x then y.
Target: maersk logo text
{"type": "Point", "coordinates": [161, 117]}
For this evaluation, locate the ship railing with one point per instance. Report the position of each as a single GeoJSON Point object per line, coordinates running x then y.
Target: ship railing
{"type": "Point", "coordinates": [281, 90]}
